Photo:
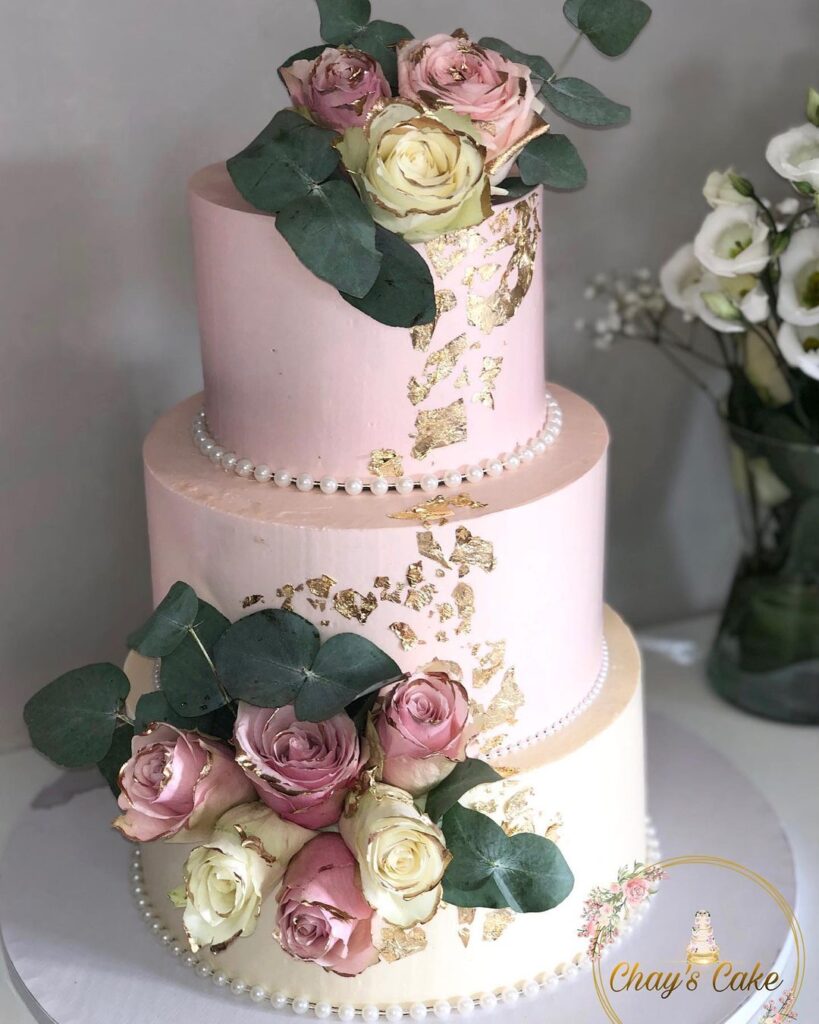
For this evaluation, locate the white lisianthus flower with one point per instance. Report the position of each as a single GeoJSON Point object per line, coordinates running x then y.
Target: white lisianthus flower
{"type": "Point", "coordinates": [680, 277]}
{"type": "Point", "coordinates": [795, 154]}
{"type": "Point", "coordinates": [719, 190]}
{"type": "Point", "coordinates": [763, 371]}
{"type": "Point", "coordinates": [227, 879]}
{"type": "Point", "coordinates": [799, 346]}
{"type": "Point", "coordinates": [798, 301]}
{"type": "Point", "coordinates": [733, 240]}
{"type": "Point", "coordinates": [420, 173]}
{"type": "Point", "coordinates": [726, 303]}
{"type": "Point", "coordinates": [401, 854]}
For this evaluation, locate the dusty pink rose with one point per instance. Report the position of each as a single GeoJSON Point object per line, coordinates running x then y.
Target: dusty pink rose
{"type": "Point", "coordinates": [636, 891]}
{"type": "Point", "coordinates": [323, 916]}
{"type": "Point", "coordinates": [418, 729]}
{"type": "Point", "coordinates": [176, 784]}
{"type": "Point", "coordinates": [339, 88]}
{"type": "Point", "coordinates": [484, 85]}
{"type": "Point", "coordinates": [303, 770]}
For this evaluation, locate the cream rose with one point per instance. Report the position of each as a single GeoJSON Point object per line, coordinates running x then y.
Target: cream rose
{"type": "Point", "coordinates": [798, 301]}
{"type": "Point", "coordinates": [795, 154]}
{"type": "Point", "coordinates": [733, 240]}
{"type": "Point", "coordinates": [419, 173]}
{"type": "Point", "coordinates": [227, 879]}
{"type": "Point", "coordinates": [401, 855]}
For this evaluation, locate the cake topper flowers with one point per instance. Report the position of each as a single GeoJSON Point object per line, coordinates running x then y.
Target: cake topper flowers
{"type": "Point", "coordinates": [392, 141]}
{"type": "Point", "coordinates": [319, 776]}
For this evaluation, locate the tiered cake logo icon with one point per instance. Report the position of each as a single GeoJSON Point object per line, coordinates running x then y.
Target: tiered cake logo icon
{"type": "Point", "coordinates": [702, 948]}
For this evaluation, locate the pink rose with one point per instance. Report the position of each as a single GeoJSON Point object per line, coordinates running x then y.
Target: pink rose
{"type": "Point", "coordinates": [303, 770]}
{"type": "Point", "coordinates": [484, 85]}
{"type": "Point", "coordinates": [176, 784]}
{"type": "Point", "coordinates": [339, 88]}
{"type": "Point", "coordinates": [636, 891]}
{"type": "Point", "coordinates": [418, 728]}
{"type": "Point", "coordinates": [323, 916]}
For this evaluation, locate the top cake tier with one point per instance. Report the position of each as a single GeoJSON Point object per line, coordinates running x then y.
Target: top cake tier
{"type": "Point", "coordinates": [299, 380]}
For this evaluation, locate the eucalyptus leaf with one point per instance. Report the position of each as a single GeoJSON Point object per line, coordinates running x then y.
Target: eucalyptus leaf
{"type": "Point", "coordinates": [524, 872]}
{"type": "Point", "coordinates": [583, 103]}
{"type": "Point", "coordinates": [610, 25]}
{"type": "Point", "coordinates": [308, 53]}
{"type": "Point", "coordinates": [288, 159]}
{"type": "Point", "coordinates": [275, 657]}
{"type": "Point", "coordinates": [168, 625]}
{"type": "Point", "coordinates": [72, 719]}
{"type": "Point", "coordinates": [186, 676]}
{"type": "Point", "coordinates": [552, 160]}
{"type": "Point", "coordinates": [403, 294]}
{"type": "Point", "coordinates": [117, 755]}
{"type": "Point", "coordinates": [379, 39]}
{"type": "Point", "coordinates": [465, 775]}
{"type": "Point", "coordinates": [154, 707]}
{"type": "Point", "coordinates": [341, 20]}
{"type": "Point", "coordinates": [331, 232]}
{"type": "Point", "coordinates": [541, 69]}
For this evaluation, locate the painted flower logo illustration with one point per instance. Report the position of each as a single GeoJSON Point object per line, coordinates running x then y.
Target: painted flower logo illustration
{"type": "Point", "coordinates": [605, 910]}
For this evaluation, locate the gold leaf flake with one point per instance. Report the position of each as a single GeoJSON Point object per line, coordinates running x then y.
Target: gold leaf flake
{"type": "Point", "coordinates": [386, 462]}
{"type": "Point", "coordinates": [324, 622]}
{"type": "Point", "coordinates": [287, 592]}
{"type": "Point", "coordinates": [503, 707]}
{"type": "Point", "coordinates": [464, 597]}
{"type": "Point", "coordinates": [445, 301]}
{"type": "Point", "coordinates": [441, 637]}
{"type": "Point", "coordinates": [445, 611]}
{"type": "Point", "coordinates": [490, 664]}
{"type": "Point", "coordinates": [495, 924]}
{"type": "Point", "coordinates": [438, 509]}
{"type": "Point", "coordinates": [316, 604]}
{"type": "Point", "coordinates": [471, 551]}
{"type": "Point", "coordinates": [466, 918]}
{"type": "Point", "coordinates": [518, 814]}
{"type": "Point", "coordinates": [553, 829]}
{"type": "Point", "coordinates": [462, 380]}
{"type": "Point", "coordinates": [492, 744]}
{"type": "Point", "coordinates": [420, 597]}
{"type": "Point", "coordinates": [407, 636]}
{"type": "Point", "coordinates": [353, 605]}
{"type": "Point", "coordinates": [251, 599]}
{"type": "Point", "coordinates": [464, 934]}
{"type": "Point", "coordinates": [439, 428]}
{"type": "Point", "coordinates": [388, 591]}
{"type": "Point", "coordinates": [381, 582]}
{"type": "Point", "coordinates": [448, 250]}
{"type": "Point", "coordinates": [485, 806]}
{"type": "Point", "coordinates": [489, 375]}
{"type": "Point", "coordinates": [438, 367]}
{"type": "Point", "coordinates": [429, 547]}
{"type": "Point", "coordinates": [415, 574]}
{"type": "Point", "coordinates": [486, 312]}
{"type": "Point", "coordinates": [320, 586]}
{"type": "Point", "coordinates": [396, 943]}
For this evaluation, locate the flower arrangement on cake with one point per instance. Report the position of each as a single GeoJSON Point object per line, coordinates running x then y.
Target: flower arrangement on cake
{"type": "Point", "coordinates": [393, 140]}
{"type": "Point", "coordinates": [317, 775]}
{"type": "Point", "coordinates": [737, 311]}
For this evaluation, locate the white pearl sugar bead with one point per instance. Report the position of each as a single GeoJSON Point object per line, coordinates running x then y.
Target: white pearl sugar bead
{"type": "Point", "coordinates": [452, 478]}
{"type": "Point", "coordinates": [221, 978]}
{"type": "Point", "coordinates": [510, 996]}
{"type": "Point", "coordinates": [177, 949]}
{"type": "Point", "coordinates": [304, 482]}
{"type": "Point", "coordinates": [322, 1010]}
{"type": "Point", "coordinates": [551, 982]}
{"type": "Point", "coordinates": [262, 473]}
{"type": "Point", "coordinates": [216, 453]}
{"type": "Point", "coordinates": [530, 989]}
{"type": "Point", "coordinates": [466, 1006]}
{"type": "Point", "coordinates": [489, 1001]}
{"type": "Point", "coordinates": [278, 1000]}
{"type": "Point", "coordinates": [203, 970]}
{"type": "Point", "coordinates": [511, 461]}
{"type": "Point", "coordinates": [258, 993]}
{"type": "Point", "coordinates": [442, 1009]}
{"type": "Point", "coordinates": [166, 938]}
{"type": "Point", "coordinates": [328, 485]}
{"type": "Point", "coordinates": [379, 486]}
{"type": "Point", "coordinates": [190, 960]}
{"type": "Point", "coordinates": [474, 474]}
{"type": "Point", "coordinates": [229, 460]}
{"type": "Point", "coordinates": [393, 1013]}
{"type": "Point", "coordinates": [206, 446]}
{"type": "Point", "coordinates": [573, 969]}
{"type": "Point", "coordinates": [369, 1013]}
{"type": "Point", "coordinates": [354, 486]}
{"type": "Point", "coordinates": [238, 987]}
{"type": "Point", "coordinates": [301, 1005]}
{"type": "Point", "coordinates": [282, 478]}
{"type": "Point", "coordinates": [526, 454]}
{"type": "Point", "coordinates": [418, 1011]}
{"type": "Point", "coordinates": [156, 927]}
{"type": "Point", "coordinates": [405, 485]}
{"type": "Point", "coordinates": [244, 468]}
{"type": "Point", "coordinates": [538, 447]}
{"type": "Point", "coordinates": [494, 467]}
{"type": "Point", "coordinates": [429, 483]}
{"type": "Point", "coordinates": [346, 1012]}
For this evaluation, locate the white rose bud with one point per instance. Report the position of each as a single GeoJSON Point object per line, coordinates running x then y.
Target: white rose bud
{"type": "Point", "coordinates": [227, 879]}
{"type": "Point", "coordinates": [401, 854]}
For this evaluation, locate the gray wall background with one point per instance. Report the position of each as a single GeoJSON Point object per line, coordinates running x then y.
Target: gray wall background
{"type": "Point", "coordinates": [107, 106]}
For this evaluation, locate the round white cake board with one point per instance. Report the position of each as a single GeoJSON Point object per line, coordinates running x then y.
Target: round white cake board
{"type": "Point", "coordinates": [79, 952]}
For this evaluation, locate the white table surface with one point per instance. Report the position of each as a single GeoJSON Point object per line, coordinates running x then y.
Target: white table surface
{"type": "Point", "coordinates": [782, 760]}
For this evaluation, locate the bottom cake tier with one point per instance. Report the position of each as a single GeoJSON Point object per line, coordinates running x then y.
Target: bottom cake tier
{"type": "Point", "coordinates": [583, 786]}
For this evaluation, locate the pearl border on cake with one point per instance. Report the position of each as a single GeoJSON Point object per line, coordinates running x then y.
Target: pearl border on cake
{"type": "Point", "coordinates": [442, 1009]}
{"type": "Point", "coordinates": [230, 462]}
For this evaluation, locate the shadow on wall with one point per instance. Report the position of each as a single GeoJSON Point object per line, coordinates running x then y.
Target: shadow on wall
{"type": "Point", "coordinates": [70, 471]}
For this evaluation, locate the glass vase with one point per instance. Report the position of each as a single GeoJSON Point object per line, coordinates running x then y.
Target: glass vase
{"type": "Point", "coordinates": [765, 657]}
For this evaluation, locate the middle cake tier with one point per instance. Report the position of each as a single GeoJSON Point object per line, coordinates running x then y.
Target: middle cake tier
{"type": "Point", "coordinates": [504, 577]}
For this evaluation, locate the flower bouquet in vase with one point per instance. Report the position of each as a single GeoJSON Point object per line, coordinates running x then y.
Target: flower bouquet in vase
{"type": "Point", "coordinates": [737, 311]}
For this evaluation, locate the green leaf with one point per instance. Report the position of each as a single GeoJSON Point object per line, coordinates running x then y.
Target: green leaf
{"type": "Point", "coordinates": [552, 160]}
{"type": "Point", "coordinates": [331, 232]}
{"type": "Point", "coordinates": [284, 163]}
{"type": "Point", "coordinates": [581, 102]}
{"type": "Point", "coordinates": [116, 757]}
{"type": "Point", "coordinates": [168, 625]}
{"type": "Point", "coordinates": [378, 39]}
{"type": "Point", "coordinates": [154, 707]}
{"type": "Point", "coordinates": [524, 872]}
{"type": "Point", "coordinates": [186, 676]}
{"type": "Point", "coordinates": [610, 25]}
{"type": "Point", "coordinates": [541, 69]}
{"type": "Point", "coordinates": [275, 657]}
{"type": "Point", "coordinates": [812, 106]}
{"type": "Point", "coordinates": [72, 720]}
{"type": "Point", "coordinates": [804, 188]}
{"type": "Point", "coordinates": [308, 53]}
{"type": "Point", "coordinates": [403, 294]}
{"type": "Point", "coordinates": [465, 775]}
{"type": "Point", "coordinates": [342, 19]}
